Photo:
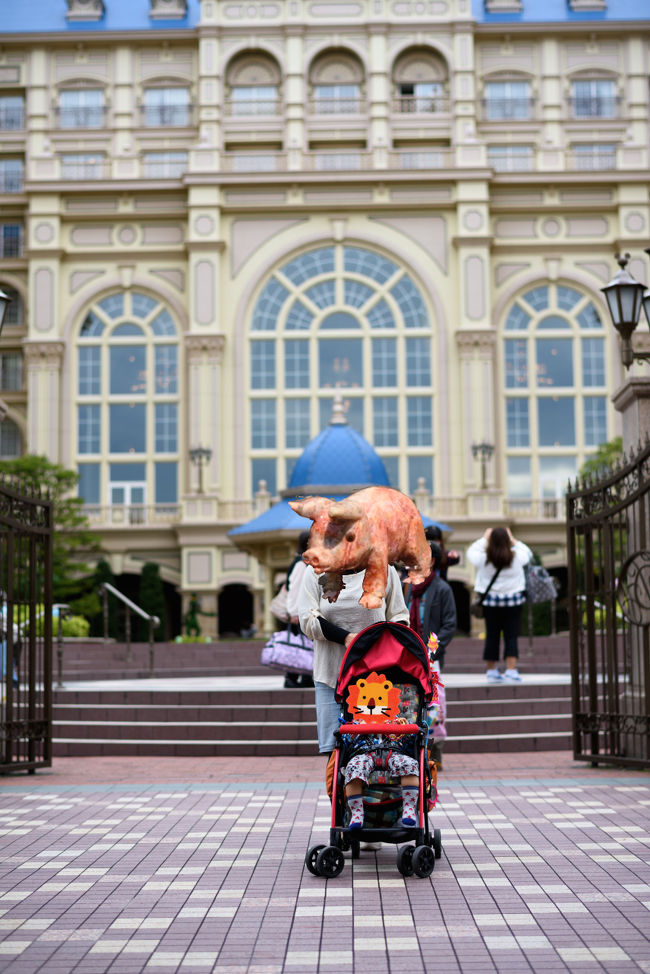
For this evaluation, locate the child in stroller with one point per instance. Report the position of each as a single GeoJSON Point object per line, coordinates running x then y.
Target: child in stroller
{"type": "Point", "coordinates": [385, 684]}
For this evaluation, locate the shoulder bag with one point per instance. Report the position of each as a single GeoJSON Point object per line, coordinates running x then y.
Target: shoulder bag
{"type": "Point", "coordinates": [540, 586]}
{"type": "Point", "coordinates": [476, 608]}
{"type": "Point", "coordinates": [289, 652]}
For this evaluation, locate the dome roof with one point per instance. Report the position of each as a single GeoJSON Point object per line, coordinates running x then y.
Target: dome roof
{"type": "Point", "coordinates": [339, 457]}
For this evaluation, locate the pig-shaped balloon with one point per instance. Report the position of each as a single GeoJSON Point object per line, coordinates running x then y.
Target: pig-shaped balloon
{"type": "Point", "coordinates": [372, 529]}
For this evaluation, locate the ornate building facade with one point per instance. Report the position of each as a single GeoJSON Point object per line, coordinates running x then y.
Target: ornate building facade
{"type": "Point", "coordinates": [218, 215]}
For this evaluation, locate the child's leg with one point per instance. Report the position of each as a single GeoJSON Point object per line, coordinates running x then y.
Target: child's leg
{"type": "Point", "coordinates": [357, 772]}
{"type": "Point", "coordinates": [408, 770]}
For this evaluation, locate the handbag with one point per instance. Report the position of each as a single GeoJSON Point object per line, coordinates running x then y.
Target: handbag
{"type": "Point", "coordinates": [278, 604]}
{"type": "Point", "coordinates": [289, 652]}
{"type": "Point", "coordinates": [540, 586]}
{"type": "Point", "coordinates": [476, 608]}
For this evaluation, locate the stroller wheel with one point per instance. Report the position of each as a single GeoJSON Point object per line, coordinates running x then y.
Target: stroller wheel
{"type": "Point", "coordinates": [405, 860]}
{"type": "Point", "coordinates": [437, 843]}
{"type": "Point", "coordinates": [330, 862]}
{"type": "Point", "coordinates": [311, 857]}
{"type": "Point", "coordinates": [424, 860]}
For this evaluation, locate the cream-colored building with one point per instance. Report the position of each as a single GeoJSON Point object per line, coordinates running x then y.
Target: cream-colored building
{"type": "Point", "coordinates": [216, 215]}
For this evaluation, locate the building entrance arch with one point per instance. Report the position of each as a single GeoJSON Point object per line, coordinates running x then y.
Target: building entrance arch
{"type": "Point", "coordinates": [236, 609]}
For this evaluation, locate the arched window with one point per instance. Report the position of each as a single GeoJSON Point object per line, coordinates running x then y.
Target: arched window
{"type": "Point", "coordinates": [555, 377]}
{"type": "Point", "coordinates": [336, 83]}
{"type": "Point", "coordinates": [252, 85]}
{"type": "Point", "coordinates": [127, 394]}
{"type": "Point", "coordinates": [11, 442]}
{"type": "Point", "coordinates": [421, 82]}
{"type": "Point", "coordinates": [341, 318]}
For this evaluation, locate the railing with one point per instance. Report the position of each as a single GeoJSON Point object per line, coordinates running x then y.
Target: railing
{"type": "Point", "coordinates": [12, 119]}
{"type": "Point", "coordinates": [244, 108]}
{"type": "Point", "coordinates": [107, 589]}
{"type": "Point", "coordinates": [83, 171]}
{"type": "Point", "coordinates": [507, 109]}
{"type": "Point", "coordinates": [254, 162]}
{"type": "Point", "coordinates": [132, 514]}
{"type": "Point", "coordinates": [345, 161]}
{"type": "Point", "coordinates": [407, 159]}
{"type": "Point", "coordinates": [597, 160]}
{"type": "Point", "coordinates": [167, 116]}
{"type": "Point", "coordinates": [163, 168]}
{"type": "Point", "coordinates": [507, 162]}
{"type": "Point", "coordinates": [337, 106]}
{"type": "Point", "coordinates": [80, 117]}
{"type": "Point", "coordinates": [11, 182]}
{"type": "Point", "coordinates": [604, 106]}
{"type": "Point", "coordinates": [421, 105]}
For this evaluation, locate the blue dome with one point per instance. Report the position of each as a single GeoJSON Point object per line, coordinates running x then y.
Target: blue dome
{"type": "Point", "coordinates": [339, 456]}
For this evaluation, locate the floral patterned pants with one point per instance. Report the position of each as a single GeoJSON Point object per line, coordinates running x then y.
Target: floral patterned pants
{"type": "Point", "coordinates": [361, 765]}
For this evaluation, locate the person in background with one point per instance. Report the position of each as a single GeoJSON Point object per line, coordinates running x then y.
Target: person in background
{"type": "Point", "coordinates": [498, 552]}
{"type": "Point", "coordinates": [449, 558]}
{"type": "Point", "coordinates": [295, 576]}
{"type": "Point", "coordinates": [437, 608]}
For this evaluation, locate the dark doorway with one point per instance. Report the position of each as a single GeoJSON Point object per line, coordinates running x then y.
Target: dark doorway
{"type": "Point", "coordinates": [235, 610]}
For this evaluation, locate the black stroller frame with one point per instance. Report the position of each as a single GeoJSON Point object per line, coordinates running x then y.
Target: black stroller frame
{"type": "Point", "coordinates": [424, 845]}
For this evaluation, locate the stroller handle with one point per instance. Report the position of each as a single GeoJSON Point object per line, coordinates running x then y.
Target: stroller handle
{"type": "Point", "coordinates": [379, 729]}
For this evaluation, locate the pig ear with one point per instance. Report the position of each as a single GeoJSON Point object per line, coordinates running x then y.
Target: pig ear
{"type": "Point", "coordinates": [309, 507]}
{"type": "Point", "coordinates": [346, 510]}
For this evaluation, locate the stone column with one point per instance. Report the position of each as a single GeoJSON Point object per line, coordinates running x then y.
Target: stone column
{"type": "Point", "coordinates": [632, 400]}
{"type": "Point", "coordinates": [295, 96]}
{"type": "Point", "coordinates": [478, 421]}
{"type": "Point", "coordinates": [379, 96]}
{"type": "Point", "coordinates": [43, 361]}
{"type": "Point", "coordinates": [204, 355]}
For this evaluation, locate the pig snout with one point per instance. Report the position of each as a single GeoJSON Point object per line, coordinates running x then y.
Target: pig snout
{"type": "Point", "coordinates": [315, 559]}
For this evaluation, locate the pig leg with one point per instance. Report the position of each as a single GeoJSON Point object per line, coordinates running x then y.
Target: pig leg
{"type": "Point", "coordinates": [417, 555]}
{"type": "Point", "coordinates": [332, 584]}
{"type": "Point", "coordinates": [375, 580]}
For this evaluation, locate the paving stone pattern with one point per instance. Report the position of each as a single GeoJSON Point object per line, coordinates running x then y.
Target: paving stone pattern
{"type": "Point", "coordinates": [539, 875]}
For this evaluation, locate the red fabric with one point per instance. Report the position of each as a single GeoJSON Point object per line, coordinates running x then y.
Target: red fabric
{"type": "Point", "coordinates": [387, 651]}
{"type": "Point", "coordinates": [417, 591]}
{"type": "Point", "coordinates": [379, 729]}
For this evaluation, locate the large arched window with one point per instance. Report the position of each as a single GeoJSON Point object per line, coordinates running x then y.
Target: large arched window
{"type": "Point", "coordinates": [127, 405]}
{"type": "Point", "coordinates": [341, 319]}
{"type": "Point", "coordinates": [556, 383]}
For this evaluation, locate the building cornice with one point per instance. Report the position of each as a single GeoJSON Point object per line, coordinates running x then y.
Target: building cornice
{"type": "Point", "coordinates": [38, 353]}
{"type": "Point", "coordinates": [198, 345]}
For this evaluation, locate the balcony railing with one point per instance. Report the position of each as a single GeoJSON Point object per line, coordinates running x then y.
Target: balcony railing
{"type": "Point", "coordinates": [596, 161]}
{"type": "Point", "coordinates": [81, 117]}
{"type": "Point", "coordinates": [132, 514]}
{"type": "Point", "coordinates": [163, 168]}
{"type": "Point", "coordinates": [337, 106]}
{"type": "Point", "coordinates": [85, 171]}
{"type": "Point", "coordinates": [244, 108]}
{"type": "Point", "coordinates": [423, 159]}
{"type": "Point", "coordinates": [421, 105]}
{"type": "Point", "coordinates": [167, 116]}
{"type": "Point", "coordinates": [603, 106]}
{"type": "Point", "coordinates": [507, 109]}
{"type": "Point", "coordinates": [507, 162]}
{"type": "Point", "coordinates": [12, 119]}
{"type": "Point", "coordinates": [11, 182]}
{"type": "Point", "coordinates": [353, 160]}
{"type": "Point", "coordinates": [254, 162]}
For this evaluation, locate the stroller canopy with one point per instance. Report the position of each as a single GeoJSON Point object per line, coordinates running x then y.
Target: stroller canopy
{"type": "Point", "coordinates": [382, 646]}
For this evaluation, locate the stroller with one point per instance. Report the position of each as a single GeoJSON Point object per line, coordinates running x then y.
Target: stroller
{"type": "Point", "coordinates": [394, 654]}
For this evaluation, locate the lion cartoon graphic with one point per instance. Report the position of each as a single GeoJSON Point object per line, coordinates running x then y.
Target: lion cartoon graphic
{"type": "Point", "coordinates": [373, 699]}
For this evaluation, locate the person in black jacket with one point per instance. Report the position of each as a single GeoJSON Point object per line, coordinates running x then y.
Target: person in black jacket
{"type": "Point", "coordinates": [438, 608]}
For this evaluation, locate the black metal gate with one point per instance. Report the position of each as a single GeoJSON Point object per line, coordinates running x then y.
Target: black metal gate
{"type": "Point", "coordinates": [608, 527]}
{"type": "Point", "coordinates": [25, 631]}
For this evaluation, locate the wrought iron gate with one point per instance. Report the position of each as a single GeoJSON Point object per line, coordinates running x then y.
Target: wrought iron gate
{"type": "Point", "coordinates": [25, 631]}
{"type": "Point", "coordinates": [608, 527]}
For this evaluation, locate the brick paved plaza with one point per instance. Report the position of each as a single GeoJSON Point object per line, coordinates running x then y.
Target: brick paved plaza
{"type": "Point", "coordinates": [196, 865]}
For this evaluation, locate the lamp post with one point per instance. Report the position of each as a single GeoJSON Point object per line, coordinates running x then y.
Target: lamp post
{"type": "Point", "coordinates": [625, 296]}
{"type": "Point", "coordinates": [200, 457]}
{"type": "Point", "coordinates": [483, 451]}
{"type": "Point", "coordinates": [5, 301]}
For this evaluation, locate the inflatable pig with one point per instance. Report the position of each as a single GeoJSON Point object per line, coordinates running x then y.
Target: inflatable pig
{"type": "Point", "coordinates": [370, 529]}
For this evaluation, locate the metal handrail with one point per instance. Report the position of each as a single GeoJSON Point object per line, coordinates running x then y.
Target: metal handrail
{"type": "Point", "coordinates": [106, 589]}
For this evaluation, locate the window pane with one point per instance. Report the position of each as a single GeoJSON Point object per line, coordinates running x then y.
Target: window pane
{"type": "Point", "coordinates": [517, 426]}
{"type": "Point", "coordinates": [391, 465]}
{"type": "Point", "coordinates": [553, 323]}
{"type": "Point", "coordinates": [554, 474]}
{"type": "Point", "coordinates": [10, 440]}
{"type": "Point", "coordinates": [113, 306]}
{"type": "Point", "coordinates": [163, 325]}
{"type": "Point", "coordinates": [127, 428]}
{"type": "Point", "coordinates": [166, 435]}
{"type": "Point", "coordinates": [384, 421]}
{"type": "Point", "coordinates": [340, 363]}
{"type": "Point", "coordinates": [299, 317]}
{"type": "Point", "coordinates": [356, 293]}
{"type": "Point", "coordinates": [516, 356]}
{"type": "Point", "coordinates": [323, 295]}
{"type": "Point", "coordinates": [368, 264]}
{"type": "Point", "coordinates": [519, 483]}
{"type": "Point", "coordinates": [128, 370]}
{"type": "Point", "coordinates": [567, 298]}
{"type": "Point", "coordinates": [507, 99]}
{"type": "Point", "coordinates": [338, 320]}
{"type": "Point", "coordinates": [410, 303]}
{"type": "Point", "coordinates": [556, 421]}
{"type": "Point", "coordinates": [420, 468]}
{"type": "Point", "coordinates": [15, 311]}
{"type": "Point", "coordinates": [518, 319]}
{"type": "Point", "coordinates": [89, 483]}
{"type": "Point", "coordinates": [88, 429]}
{"type": "Point", "coordinates": [296, 423]}
{"type": "Point", "coordinates": [89, 379]}
{"type": "Point", "coordinates": [593, 361]}
{"type": "Point", "coordinates": [166, 483]}
{"type": "Point", "coordinates": [418, 362]}
{"type": "Point", "coordinates": [554, 362]}
{"type": "Point", "coordinates": [263, 424]}
{"type": "Point", "coordinates": [142, 305]}
{"type": "Point", "coordinates": [380, 315]}
{"type": "Point", "coordinates": [537, 298]}
{"type": "Point", "coordinates": [589, 318]}
{"type": "Point", "coordinates": [166, 106]}
{"type": "Point", "coordinates": [296, 364]}
{"type": "Point", "coordinates": [268, 306]}
{"type": "Point", "coordinates": [92, 326]}
{"type": "Point", "coordinates": [264, 469]}
{"type": "Point", "coordinates": [130, 472]}
{"type": "Point", "coordinates": [419, 421]}
{"type": "Point", "coordinates": [352, 407]}
{"type": "Point", "coordinates": [81, 108]}
{"type": "Point", "coordinates": [384, 363]}
{"type": "Point", "coordinates": [309, 265]}
{"type": "Point", "coordinates": [166, 369]}
{"type": "Point", "coordinates": [128, 330]}
{"type": "Point", "coordinates": [595, 417]}
{"type": "Point", "coordinates": [11, 371]}
{"type": "Point", "coordinates": [262, 365]}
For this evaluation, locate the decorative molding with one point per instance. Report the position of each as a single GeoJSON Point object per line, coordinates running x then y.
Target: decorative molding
{"type": "Point", "coordinates": [168, 9]}
{"type": "Point", "coordinates": [39, 354]}
{"type": "Point", "coordinates": [587, 6]}
{"type": "Point", "coordinates": [196, 346]}
{"type": "Point", "coordinates": [88, 10]}
{"type": "Point", "coordinates": [503, 272]}
{"type": "Point", "coordinates": [429, 232]}
{"type": "Point", "coordinates": [481, 340]}
{"type": "Point", "coordinates": [504, 6]}
{"type": "Point", "coordinates": [79, 278]}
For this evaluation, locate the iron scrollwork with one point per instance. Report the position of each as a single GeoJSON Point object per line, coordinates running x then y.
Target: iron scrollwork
{"type": "Point", "coordinates": [633, 588]}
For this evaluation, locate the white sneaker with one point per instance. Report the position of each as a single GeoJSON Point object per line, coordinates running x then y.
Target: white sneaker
{"type": "Point", "coordinates": [369, 846]}
{"type": "Point", "coordinates": [494, 676]}
{"type": "Point", "coordinates": [513, 675]}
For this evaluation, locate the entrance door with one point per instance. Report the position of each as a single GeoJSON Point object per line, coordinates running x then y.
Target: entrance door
{"type": "Point", "coordinates": [127, 502]}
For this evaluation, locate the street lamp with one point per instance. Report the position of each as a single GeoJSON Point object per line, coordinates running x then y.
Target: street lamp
{"type": "Point", "coordinates": [200, 457]}
{"type": "Point", "coordinates": [625, 296]}
{"type": "Point", "coordinates": [483, 451]}
{"type": "Point", "coordinates": [5, 301]}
